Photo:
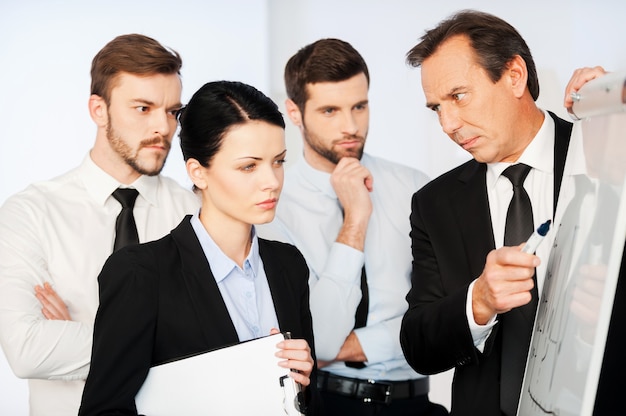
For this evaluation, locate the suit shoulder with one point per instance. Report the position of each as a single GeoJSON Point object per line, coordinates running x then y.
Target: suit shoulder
{"type": "Point", "coordinates": [286, 253]}
{"type": "Point", "coordinates": [278, 246]}
{"type": "Point", "coordinates": [448, 179]}
{"type": "Point", "coordinates": [138, 263]}
{"type": "Point", "coordinates": [145, 253]}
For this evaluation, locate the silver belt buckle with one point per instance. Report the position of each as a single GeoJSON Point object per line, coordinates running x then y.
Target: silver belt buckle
{"type": "Point", "coordinates": [372, 392]}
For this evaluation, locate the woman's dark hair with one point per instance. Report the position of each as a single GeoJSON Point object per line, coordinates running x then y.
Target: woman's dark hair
{"type": "Point", "coordinates": [495, 42]}
{"type": "Point", "coordinates": [214, 109]}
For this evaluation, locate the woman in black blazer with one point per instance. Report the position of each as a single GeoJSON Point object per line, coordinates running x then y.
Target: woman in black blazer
{"type": "Point", "coordinates": [187, 292]}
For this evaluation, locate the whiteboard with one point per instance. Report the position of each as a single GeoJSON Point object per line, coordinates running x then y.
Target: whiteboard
{"type": "Point", "coordinates": [573, 316]}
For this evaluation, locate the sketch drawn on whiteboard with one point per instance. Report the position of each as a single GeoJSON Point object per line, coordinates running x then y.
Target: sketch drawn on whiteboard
{"type": "Point", "coordinates": [577, 298]}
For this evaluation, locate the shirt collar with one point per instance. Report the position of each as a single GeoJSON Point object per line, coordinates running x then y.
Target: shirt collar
{"type": "Point", "coordinates": [222, 265]}
{"type": "Point", "coordinates": [100, 185]}
{"type": "Point", "coordinates": [318, 179]}
{"type": "Point", "coordinates": [539, 154]}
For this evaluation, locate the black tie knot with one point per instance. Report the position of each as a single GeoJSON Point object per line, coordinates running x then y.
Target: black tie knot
{"type": "Point", "coordinates": [517, 173]}
{"type": "Point", "coordinates": [126, 197]}
{"type": "Point", "coordinates": [125, 227]}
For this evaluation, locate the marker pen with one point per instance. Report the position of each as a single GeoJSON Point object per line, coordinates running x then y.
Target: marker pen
{"type": "Point", "coordinates": [536, 238]}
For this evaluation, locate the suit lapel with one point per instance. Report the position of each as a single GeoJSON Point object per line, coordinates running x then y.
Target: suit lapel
{"type": "Point", "coordinates": [215, 322]}
{"type": "Point", "coordinates": [473, 220]}
{"type": "Point", "coordinates": [281, 286]}
{"type": "Point", "coordinates": [562, 134]}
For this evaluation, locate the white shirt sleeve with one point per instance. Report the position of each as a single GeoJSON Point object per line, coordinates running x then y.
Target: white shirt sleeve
{"type": "Point", "coordinates": [34, 346]}
{"type": "Point", "coordinates": [379, 341]}
{"type": "Point", "coordinates": [335, 295]}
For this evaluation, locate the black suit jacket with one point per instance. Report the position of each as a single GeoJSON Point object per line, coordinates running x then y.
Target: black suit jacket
{"type": "Point", "coordinates": [451, 235]}
{"type": "Point", "coordinates": [159, 301]}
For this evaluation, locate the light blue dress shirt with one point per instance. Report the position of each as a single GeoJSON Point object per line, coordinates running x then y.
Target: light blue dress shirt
{"type": "Point", "coordinates": [245, 291]}
{"type": "Point", "coordinates": [309, 217]}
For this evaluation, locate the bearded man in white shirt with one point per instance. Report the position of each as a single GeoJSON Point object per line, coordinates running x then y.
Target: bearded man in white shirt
{"type": "Point", "coordinates": [55, 235]}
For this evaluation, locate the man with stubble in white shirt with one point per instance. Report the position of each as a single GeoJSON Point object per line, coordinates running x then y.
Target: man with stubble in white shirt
{"type": "Point", "coordinates": [55, 235]}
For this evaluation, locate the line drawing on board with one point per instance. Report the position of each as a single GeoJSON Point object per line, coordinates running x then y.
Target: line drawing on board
{"type": "Point", "coordinates": [573, 315]}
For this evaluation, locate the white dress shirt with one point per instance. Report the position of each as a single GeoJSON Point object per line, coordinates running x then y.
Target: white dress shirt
{"type": "Point", "coordinates": [539, 185]}
{"type": "Point", "coordinates": [245, 291]}
{"type": "Point", "coordinates": [309, 217]}
{"type": "Point", "coordinates": [61, 231]}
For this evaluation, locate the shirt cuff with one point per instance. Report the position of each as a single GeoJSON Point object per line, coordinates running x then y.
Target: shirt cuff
{"type": "Point", "coordinates": [378, 341]}
{"type": "Point", "coordinates": [343, 259]}
{"type": "Point", "coordinates": [480, 333]}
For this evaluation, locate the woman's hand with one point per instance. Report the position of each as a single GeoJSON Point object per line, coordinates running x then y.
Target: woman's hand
{"type": "Point", "coordinates": [297, 356]}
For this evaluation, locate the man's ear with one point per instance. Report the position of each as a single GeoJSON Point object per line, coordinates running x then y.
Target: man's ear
{"type": "Point", "coordinates": [517, 74]}
{"type": "Point", "coordinates": [98, 110]}
{"type": "Point", "coordinates": [293, 112]}
{"type": "Point", "coordinates": [196, 173]}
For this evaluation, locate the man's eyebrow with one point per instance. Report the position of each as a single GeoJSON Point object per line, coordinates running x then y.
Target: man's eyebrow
{"type": "Point", "coordinates": [326, 107]}
{"type": "Point", "coordinates": [141, 101]}
{"type": "Point", "coordinates": [177, 106]}
{"type": "Point", "coordinates": [334, 107]}
{"type": "Point", "coordinates": [149, 103]}
{"type": "Point", "coordinates": [454, 90]}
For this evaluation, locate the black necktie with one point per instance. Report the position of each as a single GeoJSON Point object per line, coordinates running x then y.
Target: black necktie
{"type": "Point", "coordinates": [361, 310]}
{"type": "Point", "coordinates": [519, 217]}
{"type": "Point", "coordinates": [125, 228]}
{"type": "Point", "coordinates": [517, 324]}
{"type": "Point", "coordinates": [360, 317]}
{"type": "Point", "coordinates": [361, 314]}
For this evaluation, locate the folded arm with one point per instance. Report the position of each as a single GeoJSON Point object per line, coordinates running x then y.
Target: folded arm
{"type": "Point", "coordinates": [52, 306]}
{"type": "Point", "coordinates": [35, 347]}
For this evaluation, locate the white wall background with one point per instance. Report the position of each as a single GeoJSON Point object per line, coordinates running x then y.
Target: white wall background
{"type": "Point", "coordinates": [46, 50]}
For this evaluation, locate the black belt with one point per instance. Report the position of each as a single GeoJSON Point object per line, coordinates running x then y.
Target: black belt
{"type": "Point", "coordinates": [375, 391]}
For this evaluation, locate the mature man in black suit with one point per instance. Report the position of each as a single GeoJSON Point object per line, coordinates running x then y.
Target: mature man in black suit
{"type": "Point", "coordinates": [473, 295]}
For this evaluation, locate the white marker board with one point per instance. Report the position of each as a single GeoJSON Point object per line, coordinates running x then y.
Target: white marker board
{"type": "Point", "coordinates": [570, 361]}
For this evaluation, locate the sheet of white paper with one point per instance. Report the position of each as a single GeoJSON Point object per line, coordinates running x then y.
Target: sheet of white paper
{"type": "Point", "coordinates": [240, 380]}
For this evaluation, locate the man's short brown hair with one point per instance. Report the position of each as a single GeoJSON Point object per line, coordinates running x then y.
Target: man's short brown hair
{"type": "Point", "coordinates": [327, 60]}
{"type": "Point", "coordinates": [133, 54]}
